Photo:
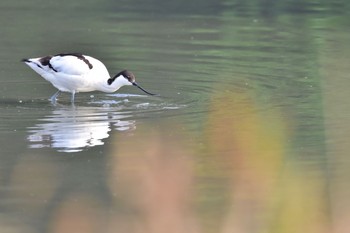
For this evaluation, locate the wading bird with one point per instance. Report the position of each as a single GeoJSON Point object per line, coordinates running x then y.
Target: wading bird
{"type": "Point", "coordinates": [75, 72]}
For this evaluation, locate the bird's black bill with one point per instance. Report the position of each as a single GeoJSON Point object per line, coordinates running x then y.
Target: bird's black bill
{"type": "Point", "coordinates": [136, 85]}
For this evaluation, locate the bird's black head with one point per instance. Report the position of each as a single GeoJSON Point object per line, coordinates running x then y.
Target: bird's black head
{"type": "Point", "coordinates": [125, 77]}
{"type": "Point", "coordinates": [126, 74]}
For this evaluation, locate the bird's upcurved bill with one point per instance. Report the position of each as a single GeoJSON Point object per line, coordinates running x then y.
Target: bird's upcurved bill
{"type": "Point", "coordinates": [136, 85]}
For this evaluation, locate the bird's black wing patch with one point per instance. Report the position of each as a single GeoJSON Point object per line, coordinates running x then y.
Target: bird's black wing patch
{"type": "Point", "coordinates": [79, 56]}
{"type": "Point", "coordinates": [45, 61]}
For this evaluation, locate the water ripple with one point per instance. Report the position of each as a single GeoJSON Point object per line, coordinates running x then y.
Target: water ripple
{"type": "Point", "coordinates": [73, 128]}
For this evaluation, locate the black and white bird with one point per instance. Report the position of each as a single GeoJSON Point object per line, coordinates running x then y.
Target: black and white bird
{"type": "Point", "coordinates": [75, 72]}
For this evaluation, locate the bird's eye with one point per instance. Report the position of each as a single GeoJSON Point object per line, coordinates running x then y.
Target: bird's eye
{"type": "Point", "coordinates": [109, 81]}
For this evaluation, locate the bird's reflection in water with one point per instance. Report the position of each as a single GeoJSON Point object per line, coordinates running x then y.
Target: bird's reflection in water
{"type": "Point", "coordinates": [72, 129]}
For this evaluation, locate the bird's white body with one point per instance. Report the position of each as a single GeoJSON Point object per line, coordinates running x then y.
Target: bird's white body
{"type": "Point", "coordinates": [75, 72]}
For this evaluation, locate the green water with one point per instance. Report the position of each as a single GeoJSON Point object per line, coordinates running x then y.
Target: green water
{"type": "Point", "coordinates": [249, 133]}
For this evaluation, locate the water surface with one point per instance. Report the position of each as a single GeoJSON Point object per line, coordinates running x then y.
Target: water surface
{"type": "Point", "coordinates": [248, 133]}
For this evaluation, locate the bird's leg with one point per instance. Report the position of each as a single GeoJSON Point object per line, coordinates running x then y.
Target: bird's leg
{"type": "Point", "coordinates": [54, 96]}
{"type": "Point", "coordinates": [72, 97]}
